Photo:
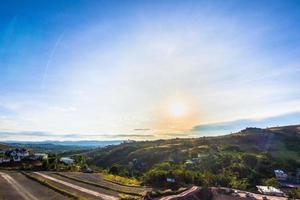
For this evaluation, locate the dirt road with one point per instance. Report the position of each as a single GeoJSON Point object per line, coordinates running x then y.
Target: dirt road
{"type": "Point", "coordinates": [17, 187]}
{"type": "Point", "coordinates": [76, 187]}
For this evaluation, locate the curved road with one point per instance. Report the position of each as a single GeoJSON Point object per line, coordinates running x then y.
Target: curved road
{"type": "Point", "coordinates": [192, 189]}
{"type": "Point", "coordinates": [76, 187]}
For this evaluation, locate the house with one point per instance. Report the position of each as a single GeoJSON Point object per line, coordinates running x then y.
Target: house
{"type": "Point", "coordinates": [280, 175]}
{"type": "Point", "coordinates": [66, 160]}
{"type": "Point", "coordinates": [269, 190]}
{"type": "Point", "coordinates": [189, 162]}
{"type": "Point", "coordinates": [4, 160]}
{"type": "Point", "coordinates": [42, 156]}
{"type": "Point", "coordinates": [16, 159]}
{"type": "Point", "coordinates": [171, 180]}
{"type": "Point", "coordinates": [18, 153]}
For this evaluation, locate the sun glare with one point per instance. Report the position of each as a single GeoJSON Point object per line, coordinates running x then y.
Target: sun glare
{"type": "Point", "coordinates": [178, 109]}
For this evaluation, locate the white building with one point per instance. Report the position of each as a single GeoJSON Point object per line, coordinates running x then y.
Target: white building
{"type": "Point", "coordinates": [43, 156]}
{"type": "Point", "coordinates": [269, 190]}
{"type": "Point", "coordinates": [66, 160]}
{"type": "Point", "coordinates": [189, 162]}
{"type": "Point", "coordinates": [280, 175]}
{"type": "Point", "coordinates": [23, 154]}
{"type": "Point", "coordinates": [171, 180]}
{"type": "Point", "coordinates": [4, 160]}
{"type": "Point", "coordinates": [16, 159]}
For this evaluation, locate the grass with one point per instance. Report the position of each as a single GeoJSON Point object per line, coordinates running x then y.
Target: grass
{"type": "Point", "coordinates": [121, 180]}
{"type": "Point", "coordinates": [99, 185]}
{"type": "Point", "coordinates": [53, 187]}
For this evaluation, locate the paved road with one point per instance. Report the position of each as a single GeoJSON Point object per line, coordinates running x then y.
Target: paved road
{"type": "Point", "coordinates": [98, 178]}
{"type": "Point", "coordinates": [19, 188]}
{"type": "Point", "coordinates": [76, 187]}
{"type": "Point", "coordinates": [183, 194]}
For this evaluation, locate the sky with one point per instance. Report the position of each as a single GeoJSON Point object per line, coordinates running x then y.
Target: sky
{"type": "Point", "coordinates": [82, 70]}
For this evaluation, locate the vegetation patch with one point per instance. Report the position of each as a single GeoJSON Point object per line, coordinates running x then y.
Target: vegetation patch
{"type": "Point", "coordinates": [127, 197]}
{"type": "Point", "coordinates": [121, 180]}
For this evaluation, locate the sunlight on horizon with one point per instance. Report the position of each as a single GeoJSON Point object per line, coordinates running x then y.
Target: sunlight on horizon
{"type": "Point", "coordinates": [178, 109]}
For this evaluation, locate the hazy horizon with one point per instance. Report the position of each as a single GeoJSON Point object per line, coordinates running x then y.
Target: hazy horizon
{"type": "Point", "coordinates": [110, 70]}
{"type": "Point", "coordinates": [213, 129]}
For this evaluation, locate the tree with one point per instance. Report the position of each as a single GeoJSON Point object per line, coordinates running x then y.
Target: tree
{"type": "Point", "coordinates": [80, 160]}
{"type": "Point", "coordinates": [53, 162]}
{"type": "Point", "coordinates": [114, 170]}
{"type": "Point", "coordinates": [294, 193]}
{"type": "Point", "coordinates": [271, 182]}
{"type": "Point", "coordinates": [250, 160]}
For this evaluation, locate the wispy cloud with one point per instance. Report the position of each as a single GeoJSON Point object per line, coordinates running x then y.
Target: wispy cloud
{"type": "Point", "coordinates": [52, 52]}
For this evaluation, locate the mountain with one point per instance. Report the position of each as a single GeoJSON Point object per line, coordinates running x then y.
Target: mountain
{"type": "Point", "coordinates": [82, 143]}
{"type": "Point", "coordinates": [61, 146]}
{"type": "Point", "coordinates": [234, 126]}
{"type": "Point", "coordinates": [280, 142]}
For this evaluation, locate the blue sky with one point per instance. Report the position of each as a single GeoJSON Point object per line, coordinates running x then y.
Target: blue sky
{"type": "Point", "coordinates": [146, 69]}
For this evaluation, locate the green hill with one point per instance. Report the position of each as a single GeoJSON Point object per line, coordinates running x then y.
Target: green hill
{"type": "Point", "coordinates": [239, 160]}
{"type": "Point", "coordinates": [280, 142]}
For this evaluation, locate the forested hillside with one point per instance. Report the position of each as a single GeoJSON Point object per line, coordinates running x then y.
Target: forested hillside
{"type": "Point", "coordinates": [240, 160]}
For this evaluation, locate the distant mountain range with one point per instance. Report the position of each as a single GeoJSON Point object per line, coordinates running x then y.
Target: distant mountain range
{"type": "Point", "coordinates": [223, 128]}
{"type": "Point", "coordinates": [58, 146]}
{"type": "Point", "coordinates": [83, 143]}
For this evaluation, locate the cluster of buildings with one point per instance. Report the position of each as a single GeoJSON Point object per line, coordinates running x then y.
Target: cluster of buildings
{"type": "Point", "coordinates": [15, 155]}
{"type": "Point", "coordinates": [19, 154]}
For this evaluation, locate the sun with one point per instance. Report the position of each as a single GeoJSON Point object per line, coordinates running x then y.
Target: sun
{"type": "Point", "coordinates": [177, 109]}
